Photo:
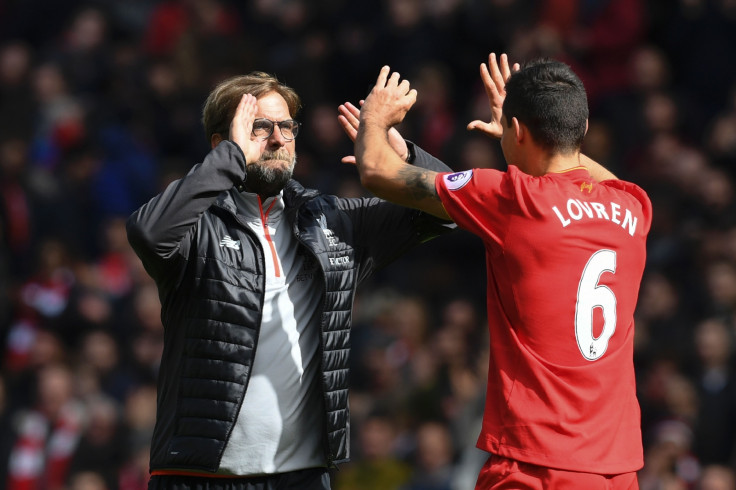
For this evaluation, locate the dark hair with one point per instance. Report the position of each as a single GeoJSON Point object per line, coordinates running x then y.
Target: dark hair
{"type": "Point", "coordinates": [219, 108]}
{"type": "Point", "coordinates": [549, 98]}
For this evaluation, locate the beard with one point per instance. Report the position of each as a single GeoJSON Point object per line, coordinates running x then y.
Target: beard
{"type": "Point", "coordinates": [266, 177]}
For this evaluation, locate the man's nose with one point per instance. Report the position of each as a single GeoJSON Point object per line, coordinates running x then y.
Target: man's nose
{"type": "Point", "coordinates": [276, 139]}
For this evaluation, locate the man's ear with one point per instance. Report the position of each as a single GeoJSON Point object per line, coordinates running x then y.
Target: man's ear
{"type": "Point", "coordinates": [586, 126]}
{"type": "Point", "coordinates": [215, 140]}
{"type": "Point", "coordinates": [519, 130]}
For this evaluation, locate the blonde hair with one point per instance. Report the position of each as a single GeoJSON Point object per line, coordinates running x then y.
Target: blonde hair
{"type": "Point", "coordinates": [219, 108]}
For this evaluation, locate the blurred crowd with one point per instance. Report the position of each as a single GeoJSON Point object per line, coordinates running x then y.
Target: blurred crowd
{"type": "Point", "coordinates": [99, 109]}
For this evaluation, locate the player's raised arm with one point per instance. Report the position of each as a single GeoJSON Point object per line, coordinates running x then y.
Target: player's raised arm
{"type": "Point", "coordinates": [494, 76]}
{"type": "Point", "coordinates": [381, 169]}
{"type": "Point", "coordinates": [349, 119]}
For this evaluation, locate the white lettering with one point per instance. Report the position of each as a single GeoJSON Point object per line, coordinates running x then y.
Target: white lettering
{"type": "Point", "coordinates": [600, 210]}
{"type": "Point", "coordinates": [631, 220]}
{"type": "Point", "coordinates": [585, 207]}
{"type": "Point", "coordinates": [577, 209]}
{"type": "Point", "coordinates": [564, 221]}
{"type": "Point", "coordinates": [575, 216]}
{"type": "Point", "coordinates": [339, 260]}
{"type": "Point", "coordinates": [615, 213]}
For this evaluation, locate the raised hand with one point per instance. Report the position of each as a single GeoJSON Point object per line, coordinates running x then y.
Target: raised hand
{"type": "Point", "coordinates": [349, 119]}
{"type": "Point", "coordinates": [389, 100]}
{"type": "Point", "coordinates": [241, 127]}
{"type": "Point", "coordinates": [494, 81]}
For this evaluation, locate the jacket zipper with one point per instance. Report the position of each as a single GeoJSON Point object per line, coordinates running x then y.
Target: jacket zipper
{"type": "Point", "coordinates": [328, 453]}
{"type": "Point", "coordinates": [264, 217]}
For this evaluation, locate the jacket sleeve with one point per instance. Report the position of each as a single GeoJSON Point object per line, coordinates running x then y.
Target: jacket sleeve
{"type": "Point", "coordinates": [384, 231]}
{"type": "Point", "coordinates": [160, 231]}
{"type": "Point", "coordinates": [421, 158]}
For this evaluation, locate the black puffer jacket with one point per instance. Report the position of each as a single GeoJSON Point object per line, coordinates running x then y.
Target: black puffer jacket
{"type": "Point", "coordinates": [212, 295]}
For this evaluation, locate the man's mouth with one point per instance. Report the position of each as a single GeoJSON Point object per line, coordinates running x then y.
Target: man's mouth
{"type": "Point", "coordinates": [282, 157]}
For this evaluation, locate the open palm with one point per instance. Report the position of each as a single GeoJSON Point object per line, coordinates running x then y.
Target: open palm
{"type": "Point", "coordinates": [494, 76]}
{"type": "Point", "coordinates": [350, 120]}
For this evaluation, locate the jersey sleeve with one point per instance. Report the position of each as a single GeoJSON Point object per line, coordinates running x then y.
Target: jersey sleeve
{"type": "Point", "coordinates": [476, 200]}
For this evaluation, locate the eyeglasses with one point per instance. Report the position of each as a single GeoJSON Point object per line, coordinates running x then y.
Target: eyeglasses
{"type": "Point", "coordinates": [263, 128]}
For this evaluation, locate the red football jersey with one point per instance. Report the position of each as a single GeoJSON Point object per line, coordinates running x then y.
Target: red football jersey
{"type": "Point", "coordinates": [565, 256]}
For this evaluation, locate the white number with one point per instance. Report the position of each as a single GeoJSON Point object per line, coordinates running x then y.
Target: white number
{"type": "Point", "coordinates": [591, 295]}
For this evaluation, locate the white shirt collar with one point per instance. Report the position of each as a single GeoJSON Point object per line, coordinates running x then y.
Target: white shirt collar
{"type": "Point", "coordinates": [247, 204]}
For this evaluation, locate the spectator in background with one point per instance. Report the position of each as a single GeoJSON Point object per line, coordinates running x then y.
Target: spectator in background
{"type": "Point", "coordinates": [139, 418]}
{"type": "Point", "coordinates": [715, 381]}
{"type": "Point", "coordinates": [379, 465]}
{"type": "Point", "coordinates": [99, 353]}
{"type": "Point", "coordinates": [88, 480]}
{"type": "Point", "coordinates": [435, 118]}
{"type": "Point", "coordinates": [102, 448]}
{"type": "Point", "coordinates": [669, 459]}
{"type": "Point", "coordinates": [17, 207]}
{"type": "Point", "coordinates": [17, 106]}
{"type": "Point", "coordinates": [717, 477]}
{"type": "Point", "coordinates": [433, 458]}
{"type": "Point", "coordinates": [596, 37]}
{"type": "Point", "coordinates": [48, 434]}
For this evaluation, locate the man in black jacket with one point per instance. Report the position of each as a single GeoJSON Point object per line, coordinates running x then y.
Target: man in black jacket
{"type": "Point", "coordinates": [256, 277]}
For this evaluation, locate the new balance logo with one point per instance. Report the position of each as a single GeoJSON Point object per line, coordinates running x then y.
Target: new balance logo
{"type": "Point", "coordinates": [230, 243]}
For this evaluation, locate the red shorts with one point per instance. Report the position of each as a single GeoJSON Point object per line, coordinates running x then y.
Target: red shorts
{"type": "Point", "coordinates": [501, 473]}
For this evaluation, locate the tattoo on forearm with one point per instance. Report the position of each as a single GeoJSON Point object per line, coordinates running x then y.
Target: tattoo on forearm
{"type": "Point", "coordinates": [419, 182]}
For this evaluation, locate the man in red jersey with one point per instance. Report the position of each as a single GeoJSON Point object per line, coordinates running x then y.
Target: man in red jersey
{"type": "Point", "coordinates": [565, 250]}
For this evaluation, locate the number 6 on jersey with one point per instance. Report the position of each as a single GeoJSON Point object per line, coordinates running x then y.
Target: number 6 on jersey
{"type": "Point", "coordinates": [591, 295]}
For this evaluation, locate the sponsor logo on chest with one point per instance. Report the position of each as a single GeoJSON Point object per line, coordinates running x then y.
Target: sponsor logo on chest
{"type": "Point", "coordinates": [332, 242]}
